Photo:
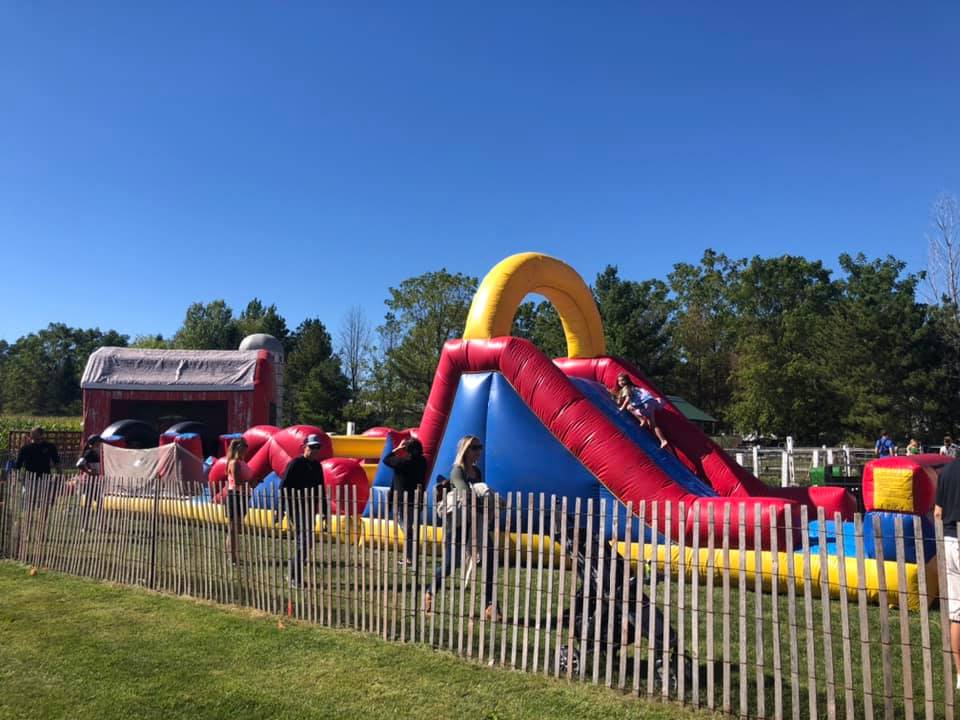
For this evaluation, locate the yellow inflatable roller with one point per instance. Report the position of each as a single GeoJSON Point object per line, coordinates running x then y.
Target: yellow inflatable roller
{"type": "Point", "coordinates": [788, 565]}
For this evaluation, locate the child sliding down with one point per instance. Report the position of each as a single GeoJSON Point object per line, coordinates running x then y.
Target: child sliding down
{"type": "Point", "coordinates": [641, 403]}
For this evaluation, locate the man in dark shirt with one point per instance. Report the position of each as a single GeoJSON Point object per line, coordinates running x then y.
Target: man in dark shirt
{"type": "Point", "coordinates": [947, 508]}
{"type": "Point", "coordinates": [39, 457]}
{"type": "Point", "coordinates": [409, 476]}
{"type": "Point", "coordinates": [303, 476]}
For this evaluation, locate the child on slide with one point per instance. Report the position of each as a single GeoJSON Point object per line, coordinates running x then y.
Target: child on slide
{"type": "Point", "coordinates": [642, 404]}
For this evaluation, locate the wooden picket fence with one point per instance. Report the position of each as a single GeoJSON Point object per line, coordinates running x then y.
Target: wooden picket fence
{"type": "Point", "coordinates": [563, 600]}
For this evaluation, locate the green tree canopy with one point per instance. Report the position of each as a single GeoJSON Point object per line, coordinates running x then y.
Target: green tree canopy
{"type": "Point", "coordinates": [636, 322]}
{"type": "Point", "coordinates": [41, 371]}
{"type": "Point", "coordinates": [208, 326]}
{"type": "Point", "coordinates": [704, 330]}
{"type": "Point", "coordinates": [316, 389]}
{"type": "Point", "coordinates": [539, 323]}
{"type": "Point", "coordinates": [779, 381]}
{"type": "Point", "coordinates": [422, 314]}
{"type": "Point", "coordinates": [257, 318]}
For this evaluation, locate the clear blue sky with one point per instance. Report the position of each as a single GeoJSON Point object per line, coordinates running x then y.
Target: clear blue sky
{"type": "Point", "coordinates": [315, 155]}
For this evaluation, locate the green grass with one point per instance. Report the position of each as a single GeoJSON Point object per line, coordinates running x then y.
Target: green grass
{"type": "Point", "coordinates": [80, 649]}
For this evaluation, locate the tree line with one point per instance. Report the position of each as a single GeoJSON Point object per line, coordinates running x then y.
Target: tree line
{"type": "Point", "coordinates": [779, 345]}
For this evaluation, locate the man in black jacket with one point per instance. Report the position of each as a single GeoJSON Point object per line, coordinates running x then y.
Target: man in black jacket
{"type": "Point", "coordinates": [301, 480]}
{"type": "Point", "coordinates": [39, 458]}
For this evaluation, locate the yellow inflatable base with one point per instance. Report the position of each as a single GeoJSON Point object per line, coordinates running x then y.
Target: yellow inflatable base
{"type": "Point", "coordinates": [367, 530]}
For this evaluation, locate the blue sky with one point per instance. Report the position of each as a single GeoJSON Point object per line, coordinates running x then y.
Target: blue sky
{"type": "Point", "coordinates": [313, 155]}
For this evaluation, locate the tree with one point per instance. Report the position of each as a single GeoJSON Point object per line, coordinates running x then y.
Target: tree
{"type": "Point", "coordinates": [356, 338]}
{"type": "Point", "coordinates": [423, 313]}
{"type": "Point", "coordinates": [539, 323]}
{"type": "Point", "coordinates": [256, 318]}
{"type": "Point", "coordinates": [943, 278]}
{"type": "Point", "coordinates": [636, 317]}
{"type": "Point", "coordinates": [704, 330]}
{"type": "Point", "coordinates": [150, 342]}
{"type": "Point", "coordinates": [316, 389]}
{"type": "Point", "coordinates": [943, 251]}
{"type": "Point", "coordinates": [42, 371]}
{"type": "Point", "coordinates": [882, 353]}
{"type": "Point", "coordinates": [780, 385]}
{"type": "Point", "coordinates": [208, 327]}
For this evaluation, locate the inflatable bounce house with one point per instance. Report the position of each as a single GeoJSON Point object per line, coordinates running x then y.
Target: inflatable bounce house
{"type": "Point", "coordinates": [551, 426]}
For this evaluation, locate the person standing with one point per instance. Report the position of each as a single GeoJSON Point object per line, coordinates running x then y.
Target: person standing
{"type": "Point", "coordinates": [302, 477]}
{"type": "Point", "coordinates": [913, 447]}
{"type": "Point", "coordinates": [238, 481]}
{"type": "Point", "coordinates": [947, 509]}
{"type": "Point", "coordinates": [949, 447]}
{"type": "Point", "coordinates": [884, 446]}
{"type": "Point", "coordinates": [466, 489]}
{"type": "Point", "coordinates": [39, 458]}
{"type": "Point", "coordinates": [89, 478]}
{"type": "Point", "coordinates": [409, 477]}
{"type": "Point", "coordinates": [89, 462]}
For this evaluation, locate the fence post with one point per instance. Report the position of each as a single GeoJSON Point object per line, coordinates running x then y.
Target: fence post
{"type": "Point", "coordinates": [740, 459]}
{"type": "Point", "coordinates": [154, 518]}
{"type": "Point", "coordinates": [756, 460]}
{"type": "Point", "coordinates": [847, 461]}
{"type": "Point", "coordinates": [784, 469]}
{"type": "Point", "coordinates": [791, 474]}
{"type": "Point", "coordinates": [815, 460]}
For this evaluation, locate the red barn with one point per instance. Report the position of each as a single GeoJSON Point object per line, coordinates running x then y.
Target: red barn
{"type": "Point", "coordinates": [227, 390]}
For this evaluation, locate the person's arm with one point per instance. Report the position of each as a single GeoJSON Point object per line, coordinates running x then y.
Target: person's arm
{"type": "Point", "coordinates": [324, 507]}
{"type": "Point", "coordinates": [55, 456]}
{"type": "Point", "coordinates": [458, 479]}
{"type": "Point", "coordinates": [396, 457]}
{"type": "Point", "coordinates": [937, 512]}
{"type": "Point", "coordinates": [19, 463]}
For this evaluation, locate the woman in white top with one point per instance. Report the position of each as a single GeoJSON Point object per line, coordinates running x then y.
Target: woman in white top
{"type": "Point", "coordinates": [466, 488]}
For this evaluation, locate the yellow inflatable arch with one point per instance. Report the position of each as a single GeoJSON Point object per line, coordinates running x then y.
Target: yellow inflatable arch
{"type": "Point", "coordinates": [512, 279]}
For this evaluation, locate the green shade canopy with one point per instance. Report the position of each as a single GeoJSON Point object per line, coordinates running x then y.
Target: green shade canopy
{"type": "Point", "coordinates": [689, 411]}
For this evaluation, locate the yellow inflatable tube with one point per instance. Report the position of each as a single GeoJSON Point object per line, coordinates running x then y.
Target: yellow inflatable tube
{"type": "Point", "coordinates": [368, 530]}
{"type": "Point", "coordinates": [788, 565]}
{"type": "Point", "coordinates": [357, 446]}
{"type": "Point", "coordinates": [512, 279]}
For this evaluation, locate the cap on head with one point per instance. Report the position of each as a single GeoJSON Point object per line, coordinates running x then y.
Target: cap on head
{"type": "Point", "coordinates": [313, 441]}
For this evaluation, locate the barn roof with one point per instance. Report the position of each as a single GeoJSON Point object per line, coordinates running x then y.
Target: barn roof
{"type": "Point", "coordinates": [114, 368]}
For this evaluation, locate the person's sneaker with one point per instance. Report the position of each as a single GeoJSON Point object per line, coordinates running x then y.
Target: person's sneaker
{"type": "Point", "coordinates": [665, 675]}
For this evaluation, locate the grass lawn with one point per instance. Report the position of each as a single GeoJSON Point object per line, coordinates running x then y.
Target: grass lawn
{"type": "Point", "coordinates": [81, 649]}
